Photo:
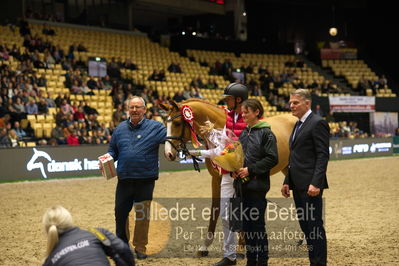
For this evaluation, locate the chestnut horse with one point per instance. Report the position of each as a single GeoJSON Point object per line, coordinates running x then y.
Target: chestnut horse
{"type": "Point", "coordinates": [179, 132]}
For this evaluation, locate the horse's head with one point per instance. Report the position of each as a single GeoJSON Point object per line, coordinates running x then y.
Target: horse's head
{"type": "Point", "coordinates": [178, 131]}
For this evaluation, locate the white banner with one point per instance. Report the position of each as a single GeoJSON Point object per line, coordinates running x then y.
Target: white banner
{"type": "Point", "coordinates": [352, 103]}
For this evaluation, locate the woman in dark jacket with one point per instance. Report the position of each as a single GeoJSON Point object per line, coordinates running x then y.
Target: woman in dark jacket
{"type": "Point", "coordinates": [70, 245]}
{"type": "Point", "coordinates": [260, 155]}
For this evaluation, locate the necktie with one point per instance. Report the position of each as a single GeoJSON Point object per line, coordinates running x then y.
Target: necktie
{"type": "Point", "coordinates": [297, 127]}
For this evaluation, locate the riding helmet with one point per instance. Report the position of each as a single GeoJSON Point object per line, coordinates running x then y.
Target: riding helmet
{"type": "Point", "coordinates": [236, 90]}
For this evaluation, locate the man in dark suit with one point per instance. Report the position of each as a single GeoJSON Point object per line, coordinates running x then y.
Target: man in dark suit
{"type": "Point", "coordinates": [309, 154]}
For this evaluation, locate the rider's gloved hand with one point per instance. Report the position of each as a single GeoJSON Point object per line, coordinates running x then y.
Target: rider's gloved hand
{"type": "Point", "coordinates": [195, 152]}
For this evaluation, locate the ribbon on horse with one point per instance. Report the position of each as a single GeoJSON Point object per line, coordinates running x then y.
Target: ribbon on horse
{"type": "Point", "coordinates": [188, 116]}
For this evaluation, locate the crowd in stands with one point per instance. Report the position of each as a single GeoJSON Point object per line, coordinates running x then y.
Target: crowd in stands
{"type": "Point", "coordinates": [346, 129]}
{"type": "Point", "coordinates": [76, 121]}
{"type": "Point", "coordinates": [365, 84]}
{"type": "Point", "coordinates": [269, 81]}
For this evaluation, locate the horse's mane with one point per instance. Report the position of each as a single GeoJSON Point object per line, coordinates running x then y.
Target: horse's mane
{"type": "Point", "coordinates": [200, 101]}
{"type": "Point", "coordinates": [191, 100]}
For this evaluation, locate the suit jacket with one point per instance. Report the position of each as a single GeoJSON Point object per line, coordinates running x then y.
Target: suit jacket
{"type": "Point", "coordinates": [309, 154]}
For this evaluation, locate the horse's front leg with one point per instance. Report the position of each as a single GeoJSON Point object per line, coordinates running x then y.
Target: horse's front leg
{"type": "Point", "coordinates": [216, 178]}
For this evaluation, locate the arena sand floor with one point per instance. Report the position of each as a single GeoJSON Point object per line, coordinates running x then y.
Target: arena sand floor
{"type": "Point", "coordinates": [362, 215]}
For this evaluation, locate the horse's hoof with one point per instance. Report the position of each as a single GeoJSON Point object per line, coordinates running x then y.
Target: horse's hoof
{"type": "Point", "coordinates": [202, 253]}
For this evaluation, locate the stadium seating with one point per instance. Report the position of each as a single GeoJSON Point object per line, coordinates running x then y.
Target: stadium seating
{"type": "Point", "coordinates": [148, 56]}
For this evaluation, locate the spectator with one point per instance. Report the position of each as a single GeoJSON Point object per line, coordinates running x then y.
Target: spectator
{"type": "Point", "coordinates": [155, 76]}
{"type": "Point", "coordinates": [162, 76]}
{"type": "Point", "coordinates": [129, 65]}
{"type": "Point", "coordinates": [196, 93]}
{"type": "Point", "coordinates": [3, 53]}
{"type": "Point", "coordinates": [13, 137]}
{"type": "Point", "coordinates": [103, 133]}
{"type": "Point", "coordinates": [37, 63]}
{"type": "Point", "coordinates": [257, 91]}
{"type": "Point", "coordinates": [42, 107]}
{"type": "Point", "coordinates": [152, 94]}
{"type": "Point", "coordinates": [345, 129]}
{"type": "Point", "coordinates": [47, 31]}
{"type": "Point", "coordinates": [73, 139]}
{"type": "Point", "coordinates": [330, 117]}
{"type": "Point", "coordinates": [72, 48]}
{"type": "Point", "coordinates": [107, 85]}
{"type": "Point", "coordinates": [3, 110]}
{"type": "Point", "coordinates": [174, 68]}
{"type": "Point", "coordinates": [75, 88]}
{"type": "Point", "coordinates": [383, 81]}
{"type": "Point", "coordinates": [15, 52]}
{"type": "Point", "coordinates": [60, 118]}
{"type": "Point", "coordinates": [49, 59]}
{"type": "Point", "coordinates": [58, 134]}
{"type": "Point", "coordinates": [68, 130]}
{"type": "Point", "coordinates": [70, 120]}
{"type": "Point", "coordinates": [31, 107]}
{"type": "Point", "coordinates": [58, 54]}
{"type": "Point", "coordinates": [92, 123]}
{"type": "Point", "coordinates": [111, 128]}
{"type": "Point", "coordinates": [92, 84]}
{"type": "Point", "coordinates": [66, 108]}
{"type": "Point", "coordinates": [53, 142]}
{"type": "Point", "coordinates": [211, 84]}
{"type": "Point", "coordinates": [18, 106]}
{"type": "Point", "coordinates": [80, 115]}
{"type": "Point", "coordinates": [95, 138]}
{"type": "Point", "coordinates": [9, 105]}
{"type": "Point", "coordinates": [89, 110]}
{"type": "Point", "coordinates": [113, 69]}
{"type": "Point", "coordinates": [19, 130]}
{"type": "Point", "coordinates": [178, 97]}
{"type": "Point", "coordinates": [262, 69]}
{"type": "Point", "coordinates": [80, 64]}
{"type": "Point", "coordinates": [66, 64]}
{"type": "Point", "coordinates": [42, 142]}
{"type": "Point", "coordinates": [318, 110]}
{"type": "Point", "coordinates": [84, 137]}
{"type": "Point", "coordinates": [144, 95]}
{"type": "Point", "coordinates": [187, 93]}
{"type": "Point", "coordinates": [50, 101]}
{"type": "Point", "coordinates": [4, 139]}
{"type": "Point", "coordinates": [119, 115]}
{"type": "Point", "coordinates": [81, 48]}
{"type": "Point", "coordinates": [58, 100]}
{"type": "Point", "coordinates": [197, 83]}
{"type": "Point", "coordinates": [226, 67]}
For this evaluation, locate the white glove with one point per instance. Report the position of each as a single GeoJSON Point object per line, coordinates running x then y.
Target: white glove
{"type": "Point", "coordinates": [195, 152]}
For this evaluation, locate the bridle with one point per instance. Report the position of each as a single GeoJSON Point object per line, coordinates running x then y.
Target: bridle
{"type": "Point", "coordinates": [181, 147]}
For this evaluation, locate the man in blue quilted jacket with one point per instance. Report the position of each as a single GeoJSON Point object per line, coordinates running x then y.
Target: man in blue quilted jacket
{"type": "Point", "coordinates": [134, 145]}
